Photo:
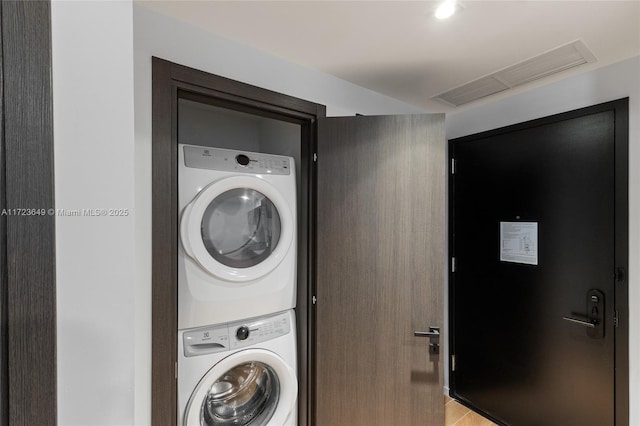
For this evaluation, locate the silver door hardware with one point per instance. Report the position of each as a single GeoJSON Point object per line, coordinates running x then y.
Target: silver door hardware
{"type": "Point", "coordinates": [433, 332]}
{"type": "Point", "coordinates": [434, 348]}
{"type": "Point", "coordinates": [434, 335]}
{"type": "Point", "coordinates": [581, 322]}
{"type": "Point", "coordinates": [594, 318]}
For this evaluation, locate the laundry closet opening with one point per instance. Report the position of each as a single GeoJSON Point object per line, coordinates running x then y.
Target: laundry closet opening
{"type": "Point", "coordinates": [245, 165]}
{"type": "Point", "coordinates": [255, 134]}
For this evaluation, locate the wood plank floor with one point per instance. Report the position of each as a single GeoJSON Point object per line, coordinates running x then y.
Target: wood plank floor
{"type": "Point", "coordinates": [459, 415]}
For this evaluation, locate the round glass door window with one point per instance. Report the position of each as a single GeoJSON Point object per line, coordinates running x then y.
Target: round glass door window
{"type": "Point", "coordinates": [241, 228]}
{"type": "Point", "coordinates": [245, 395]}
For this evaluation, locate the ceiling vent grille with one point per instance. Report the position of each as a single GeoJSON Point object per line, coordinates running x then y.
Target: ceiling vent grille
{"type": "Point", "coordinates": [554, 61]}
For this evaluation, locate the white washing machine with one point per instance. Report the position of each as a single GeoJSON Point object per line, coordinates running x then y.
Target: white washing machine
{"type": "Point", "coordinates": [237, 251]}
{"type": "Point", "coordinates": [241, 373]}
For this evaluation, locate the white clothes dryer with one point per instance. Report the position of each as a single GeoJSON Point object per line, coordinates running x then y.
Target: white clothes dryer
{"type": "Point", "coordinates": [237, 251]}
{"type": "Point", "coordinates": [241, 373]}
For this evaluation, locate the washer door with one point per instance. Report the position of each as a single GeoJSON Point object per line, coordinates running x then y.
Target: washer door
{"type": "Point", "coordinates": [253, 387]}
{"type": "Point", "coordinates": [238, 228]}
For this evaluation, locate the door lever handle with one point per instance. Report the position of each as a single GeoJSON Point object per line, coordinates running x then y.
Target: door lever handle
{"type": "Point", "coordinates": [433, 332]}
{"type": "Point", "coordinates": [590, 324]}
{"type": "Point", "coordinates": [594, 320]}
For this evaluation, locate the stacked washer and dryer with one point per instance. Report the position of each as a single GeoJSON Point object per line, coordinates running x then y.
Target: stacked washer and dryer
{"type": "Point", "coordinates": [236, 288]}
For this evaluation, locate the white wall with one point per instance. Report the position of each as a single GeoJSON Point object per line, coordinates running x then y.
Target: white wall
{"type": "Point", "coordinates": [103, 160]}
{"type": "Point", "coordinates": [92, 46]}
{"type": "Point", "coordinates": [606, 84]}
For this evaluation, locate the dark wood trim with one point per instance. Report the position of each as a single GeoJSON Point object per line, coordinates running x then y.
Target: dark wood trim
{"type": "Point", "coordinates": [4, 326]}
{"type": "Point", "coordinates": [306, 312]}
{"type": "Point", "coordinates": [30, 238]}
{"type": "Point", "coordinates": [171, 82]}
{"type": "Point", "coordinates": [243, 93]}
{"type": "Point", "coordinates": [164, 311]}
{"type": "Point", "coordinates": [621, 142]}
{"type": "Point", "coordinates": [212, 97]}
{"type": "Point", "coordinates": [621, 109]}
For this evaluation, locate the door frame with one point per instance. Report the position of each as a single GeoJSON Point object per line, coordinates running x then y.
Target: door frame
{"type": "Point", "coordinates": [171, 82]}
{"type": "Point", "coordinates": [27, 246]}
{"type": "Point", "coordinates": [620, 108]}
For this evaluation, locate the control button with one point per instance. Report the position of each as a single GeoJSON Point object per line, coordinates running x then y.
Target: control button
{"type": "Point", "coordinates": [242, 159]}
{"type": "Point", "coordinates": [242, 333]}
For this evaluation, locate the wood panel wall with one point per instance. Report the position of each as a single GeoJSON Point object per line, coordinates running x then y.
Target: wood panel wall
{"type": "Point", "coordinates": [4, 348]}
{"type": "Point", "coordinates": [28, 259]}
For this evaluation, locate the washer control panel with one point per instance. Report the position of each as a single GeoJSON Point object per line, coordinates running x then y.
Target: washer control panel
{"type": "Point", "coordinates": [250, 332]}
{"type": "Point", "coordinates": [235, 335]}
{"type": "Point", "coordinates": [227, 160]}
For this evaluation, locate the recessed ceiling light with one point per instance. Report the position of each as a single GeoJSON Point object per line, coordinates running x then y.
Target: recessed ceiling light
{"type": "Point", "coordinates": [446, 9]}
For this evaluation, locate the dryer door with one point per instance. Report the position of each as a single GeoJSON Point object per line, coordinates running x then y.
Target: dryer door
{"type": "Point", "coordinates": [238, 228]}
{"type": "Point", "coordinates": [254, 387]}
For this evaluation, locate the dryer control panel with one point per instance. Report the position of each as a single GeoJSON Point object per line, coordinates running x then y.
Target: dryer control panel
{"type": "Point", "coordinates": [227, 160]}
{"type": "Point", "coordinates": [235, 335]}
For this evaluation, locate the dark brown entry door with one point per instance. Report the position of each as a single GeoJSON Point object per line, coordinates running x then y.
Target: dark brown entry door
{"type": "Point", "coordinates": [380, 269]}
{"type": "Point", "coordinates": [533, 288]}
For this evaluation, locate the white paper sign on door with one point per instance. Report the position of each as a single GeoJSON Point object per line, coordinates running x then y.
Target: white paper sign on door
{"type": "Point", "coordinates": [519, 242]}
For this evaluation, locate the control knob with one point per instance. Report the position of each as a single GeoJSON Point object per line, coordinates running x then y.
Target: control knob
{"type": "Point", "coordinates": [242, 333]}
{"type": "Point", "coordinates": [242, 159]}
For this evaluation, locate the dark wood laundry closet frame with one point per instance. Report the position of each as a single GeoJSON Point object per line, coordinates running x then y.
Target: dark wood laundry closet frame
{"type": "Point", "coordinates": [172, 82]}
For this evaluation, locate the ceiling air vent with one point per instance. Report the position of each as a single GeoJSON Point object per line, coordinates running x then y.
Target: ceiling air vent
{"type": "Point", "coordinates": [477, 89]}
{"type": "Point", "coordinates": [551, 62]}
